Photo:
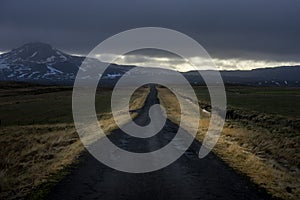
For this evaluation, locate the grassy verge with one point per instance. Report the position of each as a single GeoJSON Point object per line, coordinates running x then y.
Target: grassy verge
{"type": "Point", "coordinates": [38, 140]}
{"type": "Point", "coordinates": [270, 158]}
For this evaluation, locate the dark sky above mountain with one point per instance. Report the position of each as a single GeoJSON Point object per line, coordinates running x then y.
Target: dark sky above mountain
{"type": "Point", "coordinates": [261, 30]}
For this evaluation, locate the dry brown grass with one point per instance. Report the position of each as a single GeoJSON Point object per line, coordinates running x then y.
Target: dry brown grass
{"type": "Point", "coordinates": [32, 154]}
{"type": "Point", "coordinates": [270, 160]}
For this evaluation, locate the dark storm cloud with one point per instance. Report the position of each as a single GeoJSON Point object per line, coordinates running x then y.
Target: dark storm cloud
{"type": "Point", "coordinates": [248, 29]}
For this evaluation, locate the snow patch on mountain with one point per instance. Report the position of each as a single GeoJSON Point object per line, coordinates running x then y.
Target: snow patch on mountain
{"type": "Point", "coordinates": [34, 54]}
{"type": "Point", "coordinates": [53, 70]}
{"type": "Point", "coordinates": [112, 76]}
{"type": "Point", "coordinates": [32, 74]}
{"type": "Point", "coordinates": [50, 59]}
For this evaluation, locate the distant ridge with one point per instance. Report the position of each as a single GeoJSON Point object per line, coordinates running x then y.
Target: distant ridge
{"type": "Point", "coordinates": [41, 63]}
{"type": "Point", "coordinates": [276, 76]}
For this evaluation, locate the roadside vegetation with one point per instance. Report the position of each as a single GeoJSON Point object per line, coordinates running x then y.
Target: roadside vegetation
{"type": "Point", "coordinates": [261, 136]}
{"type": "Point", "coordinates": [37, 136]}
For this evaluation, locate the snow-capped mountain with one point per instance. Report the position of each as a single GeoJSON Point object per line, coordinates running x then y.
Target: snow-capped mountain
{"type": "Point", "coordinates": [39, 62]}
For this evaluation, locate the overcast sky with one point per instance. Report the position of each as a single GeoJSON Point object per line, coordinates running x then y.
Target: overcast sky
{"type": "Point", "coordinates": [251, 34]}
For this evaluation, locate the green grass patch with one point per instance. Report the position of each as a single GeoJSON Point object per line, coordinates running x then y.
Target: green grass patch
{"type": "Point", "coordinates": [267, 100]}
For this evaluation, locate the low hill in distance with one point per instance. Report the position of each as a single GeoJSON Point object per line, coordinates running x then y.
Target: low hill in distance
{"type": "Point", "coordinates": [41, 63]}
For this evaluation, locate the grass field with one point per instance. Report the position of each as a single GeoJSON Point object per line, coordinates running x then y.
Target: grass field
{"type": "Point", "coordinates": [47, 107]}
{"type": "Point", "coordinates": [269, 100]}
{"type": "Point", "coordinates": [38, 140]}
{"type": "Point", "coordinates": [265, 147]}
